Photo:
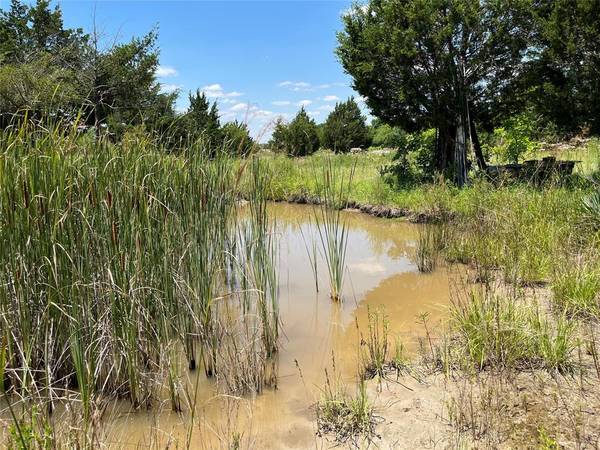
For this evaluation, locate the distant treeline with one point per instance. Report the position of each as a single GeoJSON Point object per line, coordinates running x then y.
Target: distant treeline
{"type": "Point", "coordinates": [49, 72]}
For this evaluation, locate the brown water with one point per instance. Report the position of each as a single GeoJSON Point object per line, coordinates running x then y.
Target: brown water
{"type": "Point", "coordinates": [381, 274]}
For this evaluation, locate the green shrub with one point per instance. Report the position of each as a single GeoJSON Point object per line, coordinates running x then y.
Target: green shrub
{"type": "Point", "coordinates": [515, 139]}
{"type": "Point", "coordinates": [414, 158]}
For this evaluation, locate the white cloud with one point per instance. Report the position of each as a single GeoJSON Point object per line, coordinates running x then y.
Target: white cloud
{"type": "Point", "coordinates": [240, 107]}
{"type": "Point", "coordinates": [295, 84]}
{"type": "Point", "coordinates": [361, 99]}
{"type": "Point", "coordinates": [262, 113]}
{"type": "Point", "coordinates": [325, 107]}
{"type": "Point", "coordinates": [331, 98]}
{"type": "Point", "coordinates": [281, 103]}
{"type": "Point", "coordinates": [168, 88]}
{"type": "Point", "coordinates": [166, 71]}
{"type": "Point", "coordinates": [216, 91]}
{"type": "Point", "coordinates": [212, 88]}
{"type": "Point", "coordinates": [313, 113]}
{"type": "Point", "coordinates": [304, 102]}
{"type": "Point", "coordinates": [303, 86]}
{"type": "Point", "coordinates": [248, 110]}
{"type": "Point", "coordinates": [369, 268]}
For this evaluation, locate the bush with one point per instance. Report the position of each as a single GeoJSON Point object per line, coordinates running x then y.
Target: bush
{"type": "Point", "coordinates": [499, 332]}
{"type": "Point", "coordinates": [515, 139]}
{"type": "Point", "coordinates": [388, 137]}
{"type": "Point", "coordinates": [414, 158]}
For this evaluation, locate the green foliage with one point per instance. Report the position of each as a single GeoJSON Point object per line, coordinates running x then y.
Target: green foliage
{"type": "Point", "coordinates": [28, 30]}
{"type": "Point", "coordinates": [375, 356]}
{"type": "Point", "coordinates": [591, 207]}
{"type": "Point", "coordinates": [514, 140]}
{"type": "Point", "coordinates": [545, 441]}
{"type": "Point", "coordinates": [49, 70]}
{"type": "Point", "coordinates": [279, 137]}
{"type": "Point", "coordinates": [237, 139]}
{"type": "Point", "coordinates": [500, 332]}
{"type": "Point", "coordinates": [40, 87]}
{"type": "Point", "coordinates": [301, 136]}
{"type": "Point", "coordinates": [345, 128]}
{"type": "Point", "coordinates": [123, 83]}
{"type": "Point", "coordinates": [386, 136]}
{"type": "Point", "coordinates": [407, 59]}
{"type": "Point", "coordinates": [202, 120]}
{"type": "Point", "coordinates": [35, 432]}
{"type": "Point", "coordinates": [562, 81]}
{"type": "Point", "coordinates": [343, 415]}
{"type": "Point", "coordinates": [414, 157]}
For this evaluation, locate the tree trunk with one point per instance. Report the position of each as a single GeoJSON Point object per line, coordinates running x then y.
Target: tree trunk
{"type": "Point", "coordinates": [444, 147]}
{"type": "Point", "coordinates": [460, 153]}
{"type": "Point", "coordinates": [477, 147]}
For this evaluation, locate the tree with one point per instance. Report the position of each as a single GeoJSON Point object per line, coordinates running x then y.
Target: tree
{"type": "Point", "coordinates": [122, 83]}
{"type": "Point", "coordinates": [387, 136]}
{"type": "Point", "coordinates": [40, 62]}
{"type": "Point", "coordinates": [301, 137]}
{"type": "Point", "coordinates": [279, 137]}
{"type": "Point", "coordinates": [26, 31]}
{"type": "Point", "coordinates": [202, 119]}
{"type": "Point", "coordinates": [562, 81]}
{"type": "Point", "coordinates": [435, 64]}
{"type": "Point", "coordinates": [237, 138]}
{"type": "Point", "coordinates": [345, 127]}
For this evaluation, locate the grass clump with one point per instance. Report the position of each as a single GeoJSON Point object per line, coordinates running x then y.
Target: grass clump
{"type": "Point", "coordinates": [492, 331]}
{"type": "Point", "coordinates": [346, 417]}
{"type": "Point", "coordinates": [577, 292]}
{"type": "Point", "coordinates": [331, 226]}
{"type": "Point", "coordinates": [375, 346]}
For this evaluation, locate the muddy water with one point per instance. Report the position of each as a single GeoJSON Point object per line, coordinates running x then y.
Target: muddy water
{"type": "Point", "coordinates": [381, 274]}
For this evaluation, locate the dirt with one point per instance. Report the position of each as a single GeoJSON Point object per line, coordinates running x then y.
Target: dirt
{"type": "Point", "coordinates": [387, 212]}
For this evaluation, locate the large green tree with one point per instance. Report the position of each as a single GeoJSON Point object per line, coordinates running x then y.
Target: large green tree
{"type": "Point", "coordinates": [345, 127]}
{"type": "Point", "coordinates": [563, 77]}
{"type": "Point", "coordinates": [47, 68]}
{"type": "Point", "coordinates": [439, 64]}
{"type": "Point", "coordinates": [301, 138]}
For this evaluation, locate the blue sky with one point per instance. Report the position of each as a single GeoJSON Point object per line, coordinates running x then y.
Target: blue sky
{"type": "Point", "coordinates": [259, 60]}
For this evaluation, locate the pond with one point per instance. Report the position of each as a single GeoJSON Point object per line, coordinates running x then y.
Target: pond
{"type": "Point", "coordinates": [316, 333]}
{"type": "Point", "coordinates": [380, 275]}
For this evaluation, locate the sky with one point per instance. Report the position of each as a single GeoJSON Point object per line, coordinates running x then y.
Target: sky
{"type": "Point", "coordinates": [258, 60]}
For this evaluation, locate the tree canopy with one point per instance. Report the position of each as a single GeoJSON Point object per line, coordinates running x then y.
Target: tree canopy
{"type": "Point", "coordinates": [345, 127]}
{"type": "Point", "coordinates": [300, 136]}
{"type": "Point", "coordinates": [437, 64]}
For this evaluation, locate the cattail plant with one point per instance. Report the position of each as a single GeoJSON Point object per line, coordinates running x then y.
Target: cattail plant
{"type": "Point", "coordinates": [331, 225]}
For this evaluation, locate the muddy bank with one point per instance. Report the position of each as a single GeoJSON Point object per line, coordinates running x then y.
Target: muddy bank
{"type": "Point", "coordinates": [387, 212]}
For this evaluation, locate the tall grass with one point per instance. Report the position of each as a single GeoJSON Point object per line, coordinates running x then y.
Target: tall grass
{"type": "Point", "coordinates": [331, 226]}
{"type": "Point", "coordinates": [113, 256]}
{"type": "Point", "coordinates": [506, 333]}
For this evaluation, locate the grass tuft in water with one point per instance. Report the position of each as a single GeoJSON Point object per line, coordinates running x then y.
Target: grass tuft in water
{"type": "Point", "coordinates": [331, 226]}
